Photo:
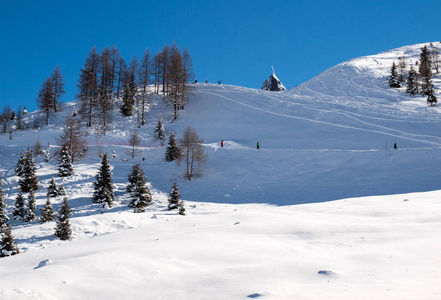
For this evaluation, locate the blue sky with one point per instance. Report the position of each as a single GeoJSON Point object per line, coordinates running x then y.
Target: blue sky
{"type": "Point", "coordinates": [233, 41]}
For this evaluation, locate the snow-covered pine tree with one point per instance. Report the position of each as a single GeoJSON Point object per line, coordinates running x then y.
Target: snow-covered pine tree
{"type": "Point", "coordinates": [3, 214]}
{"type": "Point", "coordinates": [47, 213]}
{"type": "Point", "coordinates": [19, 211]}
{"type": "Point", "coordinates": [174, 197]}
{"type": "Point", "coordinates": [181, 207]}
{"type": "Point", "coordinates": [425, 70]}
{"type": "Point", "coordinates": [139, 192]}
{"type": "Point", "coordinates": [29, 178]}
{"type": "Point", "coordinates": [103, 184]}
{"type": "Point", "coordinates": [172, 152]}
{"type": "Point", "coordinates": [431, 98]}
{"type": "Point", "coordinates": [412, 87]}
{"type": "Point", "coordinates": [62, 229]}
{"type": "Point", "coordinates": [52, 189]}
{"type": "Point", "coordinates": [393, 79]}
{"type": "Point", "coordinates": [8, 247]}
{"type": "Point", "coordinates": [61, 190]}
{"type": "Point", "coordinates": [19, 168]}
{"type": "Point", "coordinates": [30, 209]}
{"type": "Point", "coordinates": [159, 133]}
{"type": "Point", "coordinates": [65, 163]}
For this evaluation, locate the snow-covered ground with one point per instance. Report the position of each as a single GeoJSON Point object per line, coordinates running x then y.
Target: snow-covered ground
{"type": "Point", "coordinates": [304, 217]}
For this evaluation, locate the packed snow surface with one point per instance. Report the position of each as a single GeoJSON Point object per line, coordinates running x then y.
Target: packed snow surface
{"type": "Point", "coordinates": [325, 209]}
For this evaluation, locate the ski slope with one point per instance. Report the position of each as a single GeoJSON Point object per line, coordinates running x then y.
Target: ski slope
{"type": "Point", "coordinates": [326, 208]}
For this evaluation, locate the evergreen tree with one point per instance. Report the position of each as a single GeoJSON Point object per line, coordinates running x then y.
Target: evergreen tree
{"type": "Point", "coordinates": [52, 189]}
{"type": "Point", "coordinates": [431, 98]}
{"type": "Point", "coordinates": [159, 134]}
{"type": "Point", "coordinates": [402, 65]}
{"type": "Point", "coordinates": [172, 152]}
{"type": "Point", "coordinates": [19, 210]}
{"type": "Point", "coordinates": [29, 178]}
{"type": "Point", "coordinates": [19, 169]}
{"type": "Point", "coordinates": [139, 192]}
{"type": "Point", "coordinates": [129, 92]}
{"type": "Point", "coordinates": [393, 79]}
{"type": "Point", "coordinates": [64, 163]}
{"type": "Point", "coordinates": [62, 229]}
{"type": "Point", "coordinates": [425, 70]}
{"type": "Point", "coordinates": [61, 191]}
{"type": "Point", "coordinates": [30, 209]}
{"type": "Point", "coordinates": [174, 197]}
{"type": "Point", "coordinates": [8, 247]}
{"type": "Point", "coordinates": [103, 185]}
{"type": "Point", "coordinates": [45, 98]}
{"type": "Point", "coordinates": [47, 213]}
{"type": "Point", "coordinates": [3, 214]}
{"type": "Point", "coordinates": [57, 86]}
{"type": "Point", "coordinates": [181, 207]}
{"type": "Point", "coordinates": [412, 87]}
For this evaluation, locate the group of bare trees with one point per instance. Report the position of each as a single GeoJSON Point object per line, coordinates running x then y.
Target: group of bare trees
{"type": "Point", "coordinates": [106, 79]}
{"type": "Point", "coordinates": [50, 93]}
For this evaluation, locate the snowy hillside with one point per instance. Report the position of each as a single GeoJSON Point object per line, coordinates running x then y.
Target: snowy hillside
{"type": "Point", "coordinates": [257, 224]}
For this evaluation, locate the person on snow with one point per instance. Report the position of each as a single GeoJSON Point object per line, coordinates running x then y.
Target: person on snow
{"type": "Point", "coordinates": [222, 143]}
{"type": "Point", "coordinates": [395, 146]}
{"type": "Point", "coordinates": [258, 145]}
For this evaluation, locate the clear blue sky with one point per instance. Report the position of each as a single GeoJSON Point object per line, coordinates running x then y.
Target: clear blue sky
{"type": "Point", "coordinates": [233, 41]}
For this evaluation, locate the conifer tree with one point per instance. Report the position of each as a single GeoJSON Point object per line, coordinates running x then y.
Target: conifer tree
{"type": "Point", "coordinates": [129, 92]}
{"type": "Point", "coordinates": [431, 98]}
{"type": "Point", "coordinates": [412, 87]}
{"type": "Point", "coordinates": [393, 79]}
{"type": "Point", "coordinates": [57, 86]}
{"type": "Point", "coordinates": [181, 208]}
{"type": "Point", "coordinates": [425, 70]}
{"type": "Point", "coordinates": [174, 197]}
{"type": "Point", "coordinates": [62, 229]}
{"type": "Point", "coordinates": [134, 140]}
{"type": "Point", "coordinates": [45, 98]}
{"type": "Point", "coordinates": [8, 247]}
{"type": "Point", "coordinates": [3, 214]}
{"type": "Point", "coordinates": [52, 189]}
{"type": "Point", "coordinates": [402, 68]}
{"type": "Point", "coordinates": [103, 185]}
{"type": "Point", "coordinates": [159, 134]}
{"type": "Point", "coordinates": [47, 213]}
{"type": "Point", "coordinates": [65, 163]}
{"type": "Point", "coordinates": [73, 138]}
{"type": "Point", "coordinates": [19, 168]}
{"type": "Point", "coordinates": [30, 209]}
{"type": "Point", "coordinates": [19, 210]}
{"type": "Point", "coordinates": [29, 178]}
{"type": "Point", "coordinates": [139, 192]}
{"type": "Point", "coordinates": [61, 191]}
{"type": "Point", "coordinates": [172, 152]}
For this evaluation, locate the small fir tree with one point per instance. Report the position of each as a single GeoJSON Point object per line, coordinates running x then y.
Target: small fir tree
{"type": "Point", "coordinates": [19, 210]}
{"type": "Point", "coordinates": [181, 207]}
{"type": "Point", "coordinates": [29, 178]}
{"type": "Point", "coordinates": [103, 185]}
{"type": "Point", "coordinates": [174, 197]}
{"type": "Point", "coordinates": [19, 169]}
{"type": "Point", "coordinates": [159, 133]}
{"type": "Point", "coordinates": [61, 191]}
{"type": "Point", "coordinates": [65, 163]}
{"type": "Point", "coordinates": [30, 209]}
{"type": "Point", "coordinates": [412, 87]}
{"type": "Point", "coordinates": [47, 213]}
{"type": "Point", "coordinates": [139, 192]}
{"type": "Point", "coordinates": [172, 152]}
{"type": "Point", "coordinates": [3, 214]}
{"type": "Point", "coordinates": [393, 79]}
{"type": "Point", "coordinates": [431, 98]}
{"type": "Point", "coordinates": [52, 189]}
{"type": "Point", "coordinates": [62, 229]}
{"type": "Point", "coordinates": [8, 247]}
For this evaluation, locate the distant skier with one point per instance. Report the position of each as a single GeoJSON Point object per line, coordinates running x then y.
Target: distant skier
{"type": "Point", "coordinates": [395, 145]}
{"type": "Point", "coordinates": [258, 145]}
{"type": "Point", "coordinates": [222, 143]}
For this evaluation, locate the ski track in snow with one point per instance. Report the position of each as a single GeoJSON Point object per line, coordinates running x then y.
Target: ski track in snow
{"type": "Point", "coordinates": [392, 133]}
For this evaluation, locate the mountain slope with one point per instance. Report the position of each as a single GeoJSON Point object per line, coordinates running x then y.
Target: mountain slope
{"type": "Point", "coordinates": [329, 139]}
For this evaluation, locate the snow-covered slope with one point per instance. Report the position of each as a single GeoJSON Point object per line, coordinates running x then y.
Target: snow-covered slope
{"type": "Point", "coordinates": [256, 224]}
